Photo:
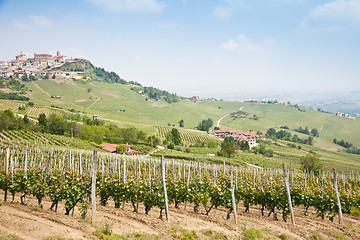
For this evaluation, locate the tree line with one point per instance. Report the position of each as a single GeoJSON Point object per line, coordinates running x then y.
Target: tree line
{"type": "Point", "coordinates": [12, 96]}
{"type": "Point", "coordinates": [97, 73]}
{"type": "Point", "coordinates": [157, 94]}
{"type": "Point", "coordinates": [90, 130]}
{"type": "Point", "coordinates": [286, 135]}
{"type": "Point", "coordinates": [349, 147]}
{"type": "Point", "coordinates": [312, 132]}
{"type": "Point", "coordinates": [342, 143]}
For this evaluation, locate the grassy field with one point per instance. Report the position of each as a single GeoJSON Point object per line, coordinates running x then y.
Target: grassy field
{"type": "Point", "coordinates": [270, 115]}
{"type": "Point", "coordinates": [117, 102]}
{"type": "Point", "coordinates": [109, 100]}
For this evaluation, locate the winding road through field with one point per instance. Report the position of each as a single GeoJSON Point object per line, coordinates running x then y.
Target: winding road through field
{"type": "Point", "coordinates": [218, 122]}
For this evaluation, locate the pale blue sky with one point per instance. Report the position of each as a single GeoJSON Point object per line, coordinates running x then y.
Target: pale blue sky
{"type": "Point", "coordinates": [197, 47]}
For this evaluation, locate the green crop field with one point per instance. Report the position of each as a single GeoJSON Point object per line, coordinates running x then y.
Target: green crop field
{"type": "Point", "coordinates": [27, 138]}
{"type": "Point", "coordinates": [187, 136]}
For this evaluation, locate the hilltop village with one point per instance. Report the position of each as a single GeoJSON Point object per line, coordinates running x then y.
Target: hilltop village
{"type": "Point", "coordinates": [38, 66]}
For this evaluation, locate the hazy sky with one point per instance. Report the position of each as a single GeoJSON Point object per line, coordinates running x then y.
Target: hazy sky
{"type": "Point", "coordinates": [197, 47]}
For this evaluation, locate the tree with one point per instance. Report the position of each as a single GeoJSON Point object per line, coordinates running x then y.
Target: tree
{"type": "Point", "coordinates": [229, 146]}
{"type": "Point", "coordinates": [310, 140]}
{"type": "Point", "coordinates": [205, 125]}
{"type": "Point", "coordinates": [121, 149]}
{"type": "Point", "coordinates": [270, 133]}
{"type": "Point", "coordinates": [181, 123]}
{"type": "Point", "coordinates": [310, 163]}
{"type": "Point", "coordinates": [25, 78]}
{"type": "Point", "coordinates": [53, 76]}
{"type": "Point", "coordinates": [32, 78]}
{"type": "Point", "coordinates": [129, 135]}
{"type": "Point", "coordinates": [57, 124]}
{"type": "Point", "coordinates": [7, 120]}
{"type": "Point", "coordinates": [244, 146]}
{"type": "Point", "coordinates": [43, 122]}
{"type": "Point", "coordinates": [295, 138]}
{"type": "Point", "coordinates": [26, 119]}
{"type": "Point", "coordinates": [216, 128]}
{"type": "Point", "coordinates": [212, 144]}
{"type": "Point", "coordinates": [262, 150]}
{"type": "Point", "coordinates": [282, 134]}
{"type": "Point", "coordinates": [141, 136]}
{"type": "Point", "coordinates": [154, 141]}
{"type": "Point", "coordinates": [306, 131]}
{"type": "Point", "coordinates": [174, 137]}
{"type": "Point", "coordinates": [314, 132]}
{"type": "Point", "coordinates": [89, 90]}
{"type": "Point", "coordinates": [47, 76]}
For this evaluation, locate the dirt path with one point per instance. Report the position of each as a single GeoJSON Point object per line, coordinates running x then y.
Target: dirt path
{"type": "Point", "coordinates": [96, 100]}
{"type": "Point", "coordinates": [42, 90]}
{"type": "Point", "coordinates": [219, 121]}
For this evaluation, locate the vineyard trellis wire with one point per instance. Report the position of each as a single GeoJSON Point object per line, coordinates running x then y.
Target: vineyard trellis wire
{"type": "Point", "coordinates": [8, 138]}
{"type": "Point", "coordinates": [187, 136]}
{"type": "Point", "coordinates": [64, 174]}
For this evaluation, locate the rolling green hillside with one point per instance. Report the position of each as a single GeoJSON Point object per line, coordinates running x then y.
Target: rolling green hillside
{"type": "Point", "coordinates": [109, 100]}
{"type": "Point", "coordinates": [119, 103]}
{"type": "Point", "coordinates": [270, 115]}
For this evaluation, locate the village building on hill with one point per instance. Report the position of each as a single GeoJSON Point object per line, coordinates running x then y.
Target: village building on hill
{"type": "Point", "coordinates": [251, 101]}
{"type": "Point", "coordinates": [347, 115]}
{"type": "Point", "coordinates": [194, 99]}
{"type": "Point", "coordinates": [21, 57]}
{"type": "Point", "coordinates": [112, 148]}
{"type": "Point", "coordinates": [241, 136]}
{"type": "Point", "coordinates": [35, 66]}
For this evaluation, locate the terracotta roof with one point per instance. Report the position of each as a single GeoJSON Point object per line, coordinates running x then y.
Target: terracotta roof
{"type": "Point", "coordinates": [242, 138]}
{"type": "Point", "coordinates": [109, 147]}
{"type": "Point", "coordinates": [133, 152]}
{"type": "Point", "coordinates": [112, 147]}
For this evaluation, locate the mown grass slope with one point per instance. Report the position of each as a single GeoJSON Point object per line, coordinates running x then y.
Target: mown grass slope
{"type": "Point", "coordinates": [118, 102]}
{"type": "Point", "coordinates": [271, 115]}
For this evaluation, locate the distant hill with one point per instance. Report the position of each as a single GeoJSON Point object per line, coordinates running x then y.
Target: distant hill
{"type": "Point", "coordinates": [341, 101]}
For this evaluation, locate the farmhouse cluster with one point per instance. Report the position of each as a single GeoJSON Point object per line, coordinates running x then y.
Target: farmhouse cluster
{"type": "Point", "coordinates": [112, 148]}
{"type": "Point", "coordinates": [241, 136]}
{"type": "Point", "coordinates": [37, 66]}
{"type": "Point", "coordinates": [347, 115]}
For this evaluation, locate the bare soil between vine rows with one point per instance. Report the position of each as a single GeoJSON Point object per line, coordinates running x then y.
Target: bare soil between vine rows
{"type": "Point", "coordinates": [32, 222]}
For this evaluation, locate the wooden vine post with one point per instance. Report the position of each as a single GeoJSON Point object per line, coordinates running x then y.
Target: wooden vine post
{"type": "Point", "coordinates": [337, 197]}
{"type": "Point", "coordinates": [288, 194]}
{"type": "Point", "coordinates": [164, 188]}
{"type": "Point", "coordinates": [124, 177]}
{"type": "Point", "coordinates": [6, 171]}
{"type": "Point", "coordinates": [233, 195]}
{"type": "Point", "coordinates": [187, 185]}
{"type": "Point", "coordinates": [93, 187]}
